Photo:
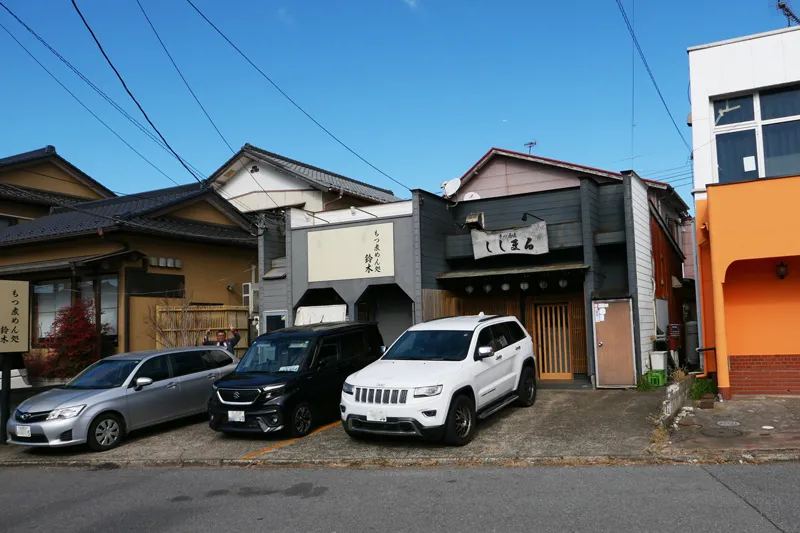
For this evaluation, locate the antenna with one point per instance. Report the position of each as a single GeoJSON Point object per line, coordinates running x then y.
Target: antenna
{"type": "Point", "coordinates": [451, 187]}
{"type": "Point", "coordinates": [530, 146]}
{"type": "Point", "coordinates": [785, 8]}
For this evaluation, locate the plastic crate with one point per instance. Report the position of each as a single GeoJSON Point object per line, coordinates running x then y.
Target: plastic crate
{"type": "Point", "coordinates": [657, 378]}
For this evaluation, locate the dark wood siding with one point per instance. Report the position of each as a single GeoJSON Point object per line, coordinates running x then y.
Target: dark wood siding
{"type": "Point", "coordinates": [436, 221]}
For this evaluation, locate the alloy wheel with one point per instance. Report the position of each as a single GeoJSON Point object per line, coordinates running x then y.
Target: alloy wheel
{"type": "Point", "coordinates": [530, 389]}
{"type": "Point", "coordinates": [463, 420]}
{"type": "Point", "coordinates": [302, 420]}
{"type": "Point", "coordinates": [107, 432]}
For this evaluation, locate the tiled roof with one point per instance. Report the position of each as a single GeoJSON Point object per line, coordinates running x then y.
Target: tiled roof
{"type": "Point", "coordinates": [129, 213]}
{"type": "Point", "coordinates": [323, 178]}
{"type": "Point", "coordinates": [33, 196]}
{"type": "Point", "coordinates": [48, 153]}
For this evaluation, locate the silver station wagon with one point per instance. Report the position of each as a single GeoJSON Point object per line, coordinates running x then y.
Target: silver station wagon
{"type": "Point", "coordinates": [120, 394]}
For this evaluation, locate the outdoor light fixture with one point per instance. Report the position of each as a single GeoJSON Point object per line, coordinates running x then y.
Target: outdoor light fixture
{"type": "Point", "coordinates": [782, 270]}
{"type": "Point", "coordinates": [562, 283]}
{"type": "Point", "coordinates": [469, 289]}
{"type": "Point", "coordinates": [543, 284]}
{"type": "Point", "coordinates": [526, 215]}
{"type": "Point", "coordinates": [505, 286]}
{"type": "Point", "coordinates": [487, 288]}
{"type": "Point", "coordinates": [524, 286]}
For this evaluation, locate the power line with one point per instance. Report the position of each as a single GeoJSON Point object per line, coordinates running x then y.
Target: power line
{"type": "Point", "coordinates": [289, 98]}
{"type": "Point", "coordinates": [186, 83]}
{"type": "Point", "coordinates": [649, 72]}
{"type": "Point", "coordinates": [117, 135]}
{"type": "Point", "coordinates": [125, 86]}
{"type": "Point", "coordinates": [94, 87]}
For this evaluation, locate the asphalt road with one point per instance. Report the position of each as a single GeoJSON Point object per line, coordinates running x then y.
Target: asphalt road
{"type": "Point", "coordinates": [669, 498]}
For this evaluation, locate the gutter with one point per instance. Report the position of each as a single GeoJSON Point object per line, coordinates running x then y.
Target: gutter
{"type": "Point", "coordinates": [326, 204]}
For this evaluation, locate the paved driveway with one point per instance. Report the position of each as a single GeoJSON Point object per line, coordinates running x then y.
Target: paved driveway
{"type": "Point", "coordinates": [560, 424]}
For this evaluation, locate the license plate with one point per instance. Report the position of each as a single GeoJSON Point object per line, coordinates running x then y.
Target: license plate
{"type": "Point", "coordinates": [235, 416]}
{"type": "Point", "coordinates": [23, 431]}
{"type": "Point", "coordinates": [376, 415]}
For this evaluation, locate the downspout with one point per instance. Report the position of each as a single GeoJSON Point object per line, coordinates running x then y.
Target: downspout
{"type": "Point", "coordinates": [326, 204]}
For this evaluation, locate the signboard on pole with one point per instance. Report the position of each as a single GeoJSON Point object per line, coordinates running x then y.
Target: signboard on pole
{"type": "Point", "coordinates": [530, 240]}
{"type": "Point", "coordinates": [14, 317]}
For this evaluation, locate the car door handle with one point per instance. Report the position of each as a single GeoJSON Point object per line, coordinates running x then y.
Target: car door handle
{"type": "Point", "coordinates": [518, 348]}
{"type": "Point", "coordinates": [210, 376]}
{"type": "Point", "coordinates": [172, 385]}
{"type": "Point", "coordinates": [499, 357]}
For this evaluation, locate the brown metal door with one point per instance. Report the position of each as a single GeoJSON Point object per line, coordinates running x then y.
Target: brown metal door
{"type": "Point", "coordinates": [551, 334]}
{"type": "Point", "coordinates": [614, 352]}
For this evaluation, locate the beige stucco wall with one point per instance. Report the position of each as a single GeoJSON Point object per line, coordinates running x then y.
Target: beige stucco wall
{"type": "Point", "coordinates": [59, 181]}
{"type": "Point", "coordinates": [203, 212]}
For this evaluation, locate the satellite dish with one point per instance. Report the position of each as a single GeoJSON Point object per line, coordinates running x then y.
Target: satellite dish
{"type": "Point", "coordinates": [451, 187]}
{"type": "Point", "coordinates": [472, 196]}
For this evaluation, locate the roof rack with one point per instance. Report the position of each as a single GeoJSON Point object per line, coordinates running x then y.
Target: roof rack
{"type": "Point", "coordinates": [491, 317]}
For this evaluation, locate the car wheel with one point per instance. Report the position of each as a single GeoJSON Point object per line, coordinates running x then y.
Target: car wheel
{"type": "Point", "coordinates": [460, 423]}
{"type": "Point", "coordinates": [527, 388]}
{"type": "Point", "coordinates": [301, 421]}
{"type": "Point", "coordinates": [105, 432]}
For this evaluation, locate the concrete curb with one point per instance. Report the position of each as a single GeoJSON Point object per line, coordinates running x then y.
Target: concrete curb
{"type": "Point", "coordinates": [730, 457]}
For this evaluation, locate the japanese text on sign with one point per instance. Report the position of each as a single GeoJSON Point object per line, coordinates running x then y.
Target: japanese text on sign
{"type": "Point", "coordinates": [531, 240]}
{"type": "Point", "coordinates": [351, 253]}
{"type": "Point", "coordinates": [14, 313]}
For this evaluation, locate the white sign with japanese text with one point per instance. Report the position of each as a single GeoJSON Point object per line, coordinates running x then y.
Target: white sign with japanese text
{"type": "Point", "coordinates": [351, 253]}
{"type": "Point", "coordinates": [531, 240]}
{"type": "Point", "coordinates": [14, 317]}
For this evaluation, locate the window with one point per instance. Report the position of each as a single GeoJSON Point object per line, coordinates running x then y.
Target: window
{"type": "Point", "coordinates": [328, 352]}
{"type": "Point", "coordinates": [276, 353]}
{"type": "Point", "coordinates": [353, 345]}
{"type": "Point", "coordinates": [758, 135]}
{"type": "Point", "coordinates": [109, 294]}
{"type": "Point", "coordinates": [48, 298]}
{"type": "Point", "coordinates": [431, 345]}
{"type": "Point", "coordinates": [274, 320]}
{"type": "Point", "coordinates": [155, 369]}
{"type": "Point", "coordinates": [216, 359]}
{"type": "Point", "coordinates": [517, 333]}
{"type": "Point", "coordinates": [485, 338]}
{"type": "Point", "coordinates": [185, 363]}
{"type": "Point", "coordinates": [104, 374]}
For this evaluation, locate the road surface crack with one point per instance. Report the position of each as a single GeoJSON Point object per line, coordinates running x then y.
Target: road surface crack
{"type": "Point", "coordinates": [753, 507]}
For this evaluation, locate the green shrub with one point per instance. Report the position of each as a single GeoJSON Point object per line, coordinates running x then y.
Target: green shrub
{"type": "Point", "coordinates": [702, 386]}
{"type": "Point", "coordinates": [643, 384]}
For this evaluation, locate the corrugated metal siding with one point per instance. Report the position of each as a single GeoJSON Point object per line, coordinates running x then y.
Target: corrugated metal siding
{"type": "Point", "coordinates": [557, 206]}
{"type": "Point", "coordinates": [611, 212]}
{"type": "Point", "coordinates": [435, 222]}
{"type": "Point", "coordinates": [643, 263]}
{"type": "Point", "coordinates": [273, 295]}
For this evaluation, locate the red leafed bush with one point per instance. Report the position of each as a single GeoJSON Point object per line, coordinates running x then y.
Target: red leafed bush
{"type": "Point", "coordinates": [72, 343]}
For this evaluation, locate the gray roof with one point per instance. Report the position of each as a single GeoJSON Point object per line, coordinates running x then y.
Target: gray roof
{"type": "Point", "coordinates": [35, 196]}
{"type": "Point", "coordinates": [128, 213]}
{"type": "Point", "coordinates": [322, 178]}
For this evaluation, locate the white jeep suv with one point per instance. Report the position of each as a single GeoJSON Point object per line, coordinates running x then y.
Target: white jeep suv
{"type": "Point", "coordinates": [440, 377]}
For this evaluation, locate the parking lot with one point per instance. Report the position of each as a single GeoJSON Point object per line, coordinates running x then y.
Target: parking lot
{"type": "Point", "coordinates": [561, 424]}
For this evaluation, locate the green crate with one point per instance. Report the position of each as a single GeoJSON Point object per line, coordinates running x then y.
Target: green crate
{"type": "Point", "coordinates": [657, 378]}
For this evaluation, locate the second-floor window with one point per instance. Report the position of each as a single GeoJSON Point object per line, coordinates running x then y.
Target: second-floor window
{"type": "Point", "coordinates": [758, 135]}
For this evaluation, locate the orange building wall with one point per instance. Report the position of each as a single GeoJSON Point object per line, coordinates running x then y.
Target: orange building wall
{"type": "Point", "coordinates": [762, 312]}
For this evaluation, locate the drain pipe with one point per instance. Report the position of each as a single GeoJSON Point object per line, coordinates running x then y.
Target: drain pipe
{"type": "Point", "coordinates": [326, 204]}
{"type": "Point", "coordinates": [705, 367]}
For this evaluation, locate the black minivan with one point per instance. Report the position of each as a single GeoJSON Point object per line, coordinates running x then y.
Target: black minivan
{"type": "Point", "coordinates": [292, 378]}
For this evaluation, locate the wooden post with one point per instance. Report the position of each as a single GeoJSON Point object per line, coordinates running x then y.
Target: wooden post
{"type": "Point", "coordinates": [5, 396]}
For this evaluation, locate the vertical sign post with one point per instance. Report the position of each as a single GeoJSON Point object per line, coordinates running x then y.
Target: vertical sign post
{"type": "Point", "coordinates": [14, 339]}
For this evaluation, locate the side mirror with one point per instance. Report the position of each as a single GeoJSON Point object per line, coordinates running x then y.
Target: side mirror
{"type": "Point", "coordinates": [484, 352]}
{"type": "Point", "coordinates": [143, 382]}
{"type": "Point", "coordinates": [383, 349]}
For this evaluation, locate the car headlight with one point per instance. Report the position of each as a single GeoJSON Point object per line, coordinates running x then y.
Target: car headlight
{"type": "Point", "coordinates": [347, 388]}
{"type": "Point", "coordinates": [65, 412]}
{"type": "Point", "coordinates": [422, 392]}
{"type": "Point", "coordinates": [274, 391]}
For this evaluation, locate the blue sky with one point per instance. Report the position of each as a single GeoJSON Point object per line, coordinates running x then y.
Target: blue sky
{"type": "Point", "coordinates": [420, 88]}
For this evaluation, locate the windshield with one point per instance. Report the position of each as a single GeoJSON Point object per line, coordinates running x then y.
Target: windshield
{"type": "Point", "coordinates": [427, 345]}
{"type": "Point", "coordinates": [105, 374]}
{"type": "Point", "coordinates": [275, 355]}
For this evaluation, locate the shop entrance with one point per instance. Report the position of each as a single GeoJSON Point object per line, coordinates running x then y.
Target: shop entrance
{"type": "Point", "coordinates": [551, 323]}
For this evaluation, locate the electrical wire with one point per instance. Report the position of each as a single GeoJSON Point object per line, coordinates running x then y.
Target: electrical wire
{"type": "Point", "coordinates": [125, 86]}
{"type": "Point", "coordinates": [109, 128]}
{"type": "Point", "coordinates": [649, 72]}
{"type": "Point", "coordinates": [292, 101]}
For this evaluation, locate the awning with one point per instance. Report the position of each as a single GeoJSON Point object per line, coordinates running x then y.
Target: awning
{"type": "Point", "coordinates": [510, 271]}
{"type": "Point", "coordinates": [275, 273]}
